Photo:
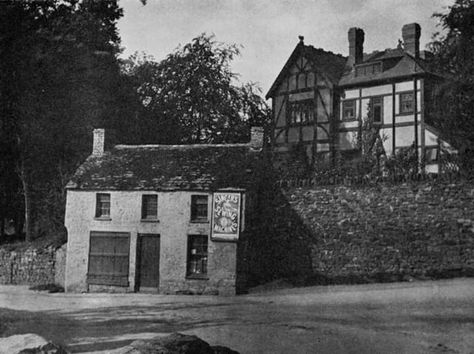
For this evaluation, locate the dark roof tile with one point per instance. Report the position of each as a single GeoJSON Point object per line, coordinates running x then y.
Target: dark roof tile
{"type": "Point", "coordinates": [168, 167]}
{"type": "Point", "coordinates": [405, 67]}
{"type": "Point", "coordinates": [325, 62]}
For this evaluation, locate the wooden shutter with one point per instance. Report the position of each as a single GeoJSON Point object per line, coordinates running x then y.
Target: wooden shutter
{"type": "Point", "coordinates": [109, 258]}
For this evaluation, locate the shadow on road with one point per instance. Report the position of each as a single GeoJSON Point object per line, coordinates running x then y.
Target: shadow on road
{"type": "Point", "coordinates": [107, 328]}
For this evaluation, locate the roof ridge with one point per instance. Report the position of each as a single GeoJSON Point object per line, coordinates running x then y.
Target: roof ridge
{"type": "Point", "coordinates": [326, 51]}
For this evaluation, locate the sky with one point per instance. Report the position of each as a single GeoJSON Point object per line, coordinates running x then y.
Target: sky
{"type": "Point", "coordinates": [268, 30]}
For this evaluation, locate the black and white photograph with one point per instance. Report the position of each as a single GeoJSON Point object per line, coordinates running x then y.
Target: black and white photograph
{"type": "Point", "coordinates": [237, 176]}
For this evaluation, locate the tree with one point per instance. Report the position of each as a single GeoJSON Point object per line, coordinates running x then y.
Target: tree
{"type": "Point", "coordinates": [59, 72]}
{"type": "Point", "coordinates": [454, 98]}
{"type": "Point", "coordinates": [192, 95]}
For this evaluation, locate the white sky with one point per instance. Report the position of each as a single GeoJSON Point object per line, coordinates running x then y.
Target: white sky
{"type": "Point", "coordinates": [268, 29]}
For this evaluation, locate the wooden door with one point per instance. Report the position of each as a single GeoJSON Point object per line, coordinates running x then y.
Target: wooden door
{"type": "Point", "coordinates": [148, 261]}
{"type": "Point", "coordinates": [108, 258]}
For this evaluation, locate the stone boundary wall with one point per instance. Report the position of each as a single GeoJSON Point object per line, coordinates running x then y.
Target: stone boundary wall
{"type": "Point", "coordinates": [33, 266]}
{"type": "Point", "coordinates": [419, 229]}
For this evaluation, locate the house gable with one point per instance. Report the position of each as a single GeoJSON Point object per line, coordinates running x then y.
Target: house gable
{"type": "Point", "coordinates": [303, 100]}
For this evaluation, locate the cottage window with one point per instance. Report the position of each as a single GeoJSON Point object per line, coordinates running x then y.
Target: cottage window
{"type": "Point", "coordinates": [349, 110]}
{"type": "Point", "coordinates": [197, 256]}
{"type": "Point", "coordinates": [102, 209]}
{"type": "Point", "coordinates": [376, 106]}
{"type": "Point", "coordinates": [301, 112]}
{"type": "Point", "coordinates": [108, 258]}
{"type": "Point", "coordinates": [407, 102]}
{"type": "Point", "coordinates": [149, 207]}
{"type": "Point", "coordinates": [199, 208]}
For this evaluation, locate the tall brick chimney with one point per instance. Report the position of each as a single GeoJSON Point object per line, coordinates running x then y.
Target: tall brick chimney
{"type": "Point", "coordinates": [356, 45]}
{"type": "Point", "coordinates": [411, 38]}
{"type": "Point", "coordinates": [256, 137]}
{"type": "Point", "coordinates": [98, 144]}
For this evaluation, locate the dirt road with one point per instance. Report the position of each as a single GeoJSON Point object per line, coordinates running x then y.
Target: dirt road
{"type": "Point", "coordinates": [418, 317]}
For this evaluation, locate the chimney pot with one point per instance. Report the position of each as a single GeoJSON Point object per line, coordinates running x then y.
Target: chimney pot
{"type": "Point", "coordinates": [411, 38]}
{"type": "Point", "coordinates": [256, 137]}
{"type": "Point", "coordinates": [356, 45]}
{"type": "Point", "coordinates": [98, 142]}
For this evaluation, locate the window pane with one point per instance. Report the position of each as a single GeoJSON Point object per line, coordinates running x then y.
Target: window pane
{"type": "Point", "coordinates": [300, 112]}
{"type": "Point", "coordinates": [150, 207]}
{"type": "Point", "coordinates": [310, 113]}
{"type": "Point", "coordinates": [197, 255]}
{"type": "Point", "coordinates": [199, 206]}
{"type": "Point", "coordinates": [377, 109]}
{"type": "Point", "coordinates": [431, 155]}
{"type": "Point", "coordinates": [348, 108]}
{"type": "Point", "coordinates": [102, 205]}
{"type": "Point", "coordinates": [298, 117]}
{"type": "Point", "coordinates": [406, 103]}
{"type": "Point", "coordinates": [377, 114]}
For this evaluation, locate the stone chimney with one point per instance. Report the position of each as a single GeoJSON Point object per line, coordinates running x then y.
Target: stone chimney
{"type": "Point", "coordinates": [411, 39]}
{"type": "Point", "coordinates": [98, 144]}
{"type": "Point", "coordinates": [256, 138]}
{"type": "Point", "coordinates": [356, 45]}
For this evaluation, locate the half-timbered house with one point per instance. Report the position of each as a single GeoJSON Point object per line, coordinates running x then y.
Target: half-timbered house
{"type": "Point", "coordinates": [322, 101]}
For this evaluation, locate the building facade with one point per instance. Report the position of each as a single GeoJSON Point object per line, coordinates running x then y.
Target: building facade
{"type": "Point", "coordinates": [304, 103]}
{"type": "Point", "coordinates": [158, 218]}
{"type": "Point", "coordinates": [389, 91]}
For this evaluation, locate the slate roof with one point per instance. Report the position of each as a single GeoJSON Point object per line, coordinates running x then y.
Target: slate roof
{"type": "Point", "coordinates": [168, 167]}
{"type": "Point", "coordinates": [406, 66]}
{"type": "Point", "coordinates": [385, 54]}
{"type": "Point", "coordinates": [332, 65]}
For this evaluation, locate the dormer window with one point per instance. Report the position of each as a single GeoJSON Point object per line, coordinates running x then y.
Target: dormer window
{"type": "Point", "coordinates": [368, 69]}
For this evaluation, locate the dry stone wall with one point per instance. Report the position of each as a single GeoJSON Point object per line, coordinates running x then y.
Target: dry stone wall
{"type": "Point", "coordinates": [419, 229]}
{"type": "Point", "coordinates": [32, 266]}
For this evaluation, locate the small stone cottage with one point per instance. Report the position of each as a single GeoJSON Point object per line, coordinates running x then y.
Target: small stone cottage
{"type": "Point", "coordinates": [161, 218]}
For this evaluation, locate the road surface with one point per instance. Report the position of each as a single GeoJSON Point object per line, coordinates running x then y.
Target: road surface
{"type": "Point", "coordinates": [417, 317]}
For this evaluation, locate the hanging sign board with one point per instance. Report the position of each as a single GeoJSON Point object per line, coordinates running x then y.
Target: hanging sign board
{"type": "Point", "coordinates": [226, 207]}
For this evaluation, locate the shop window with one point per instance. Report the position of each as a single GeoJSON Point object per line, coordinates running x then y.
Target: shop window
{"type": "Point", "coordinates": [197, 256]}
